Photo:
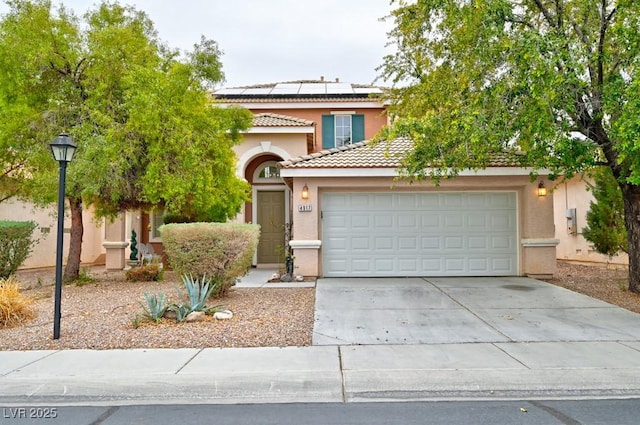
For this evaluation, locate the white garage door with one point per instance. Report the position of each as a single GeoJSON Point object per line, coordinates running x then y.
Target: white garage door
{"type": "Point", "coordinates": [419, 234]}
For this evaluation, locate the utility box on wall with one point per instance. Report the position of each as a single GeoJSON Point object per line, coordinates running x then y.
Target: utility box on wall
{"type": "Point", "coordinates": [572, 225]}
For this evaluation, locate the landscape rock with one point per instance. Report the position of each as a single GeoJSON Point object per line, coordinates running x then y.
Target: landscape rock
{"type": "Point", "coordinates": [223, 315]}
{"type": "Point", "coordinates": [170, 314]}
{"type": "Point", "coordinates": [285, 277]}
{"type": "Point", "coordinates": [195, 316]}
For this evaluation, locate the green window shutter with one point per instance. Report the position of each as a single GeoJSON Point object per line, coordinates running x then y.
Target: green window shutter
{"type": "Point", "coordinates": [357, 128]}
{"type": "Point", "coordinates": [328, 132]}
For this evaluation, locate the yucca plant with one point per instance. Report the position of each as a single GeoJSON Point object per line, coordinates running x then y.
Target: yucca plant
{"type": "Point", "coordinates": [15, 308]}
{"type": "Point", "coordinates": [156, 306]}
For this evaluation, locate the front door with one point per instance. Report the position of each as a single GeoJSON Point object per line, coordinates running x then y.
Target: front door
{"type": "Point", "coordinates": [271, 218]}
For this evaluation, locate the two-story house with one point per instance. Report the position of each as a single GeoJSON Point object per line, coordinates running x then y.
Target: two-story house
{"type": "Point", "coordinates": [294, 119]}
{"type": "Point", "coordinates": [347, 211]}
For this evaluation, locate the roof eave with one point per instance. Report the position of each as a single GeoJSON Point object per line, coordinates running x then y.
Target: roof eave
{"type": "Point", "coordinates": [280, 130]}
{"type": "Point", "coordinates": [393, 172]}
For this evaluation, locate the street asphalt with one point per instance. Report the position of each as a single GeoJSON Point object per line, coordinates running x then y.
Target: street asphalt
{"type": "Point", "coordinates": [383, 339]}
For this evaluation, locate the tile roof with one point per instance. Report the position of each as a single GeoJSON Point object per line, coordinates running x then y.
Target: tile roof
{"type": "Point", "coordinates": [278, 120]}
{"type": "Point", "coordinates": [379, 155]}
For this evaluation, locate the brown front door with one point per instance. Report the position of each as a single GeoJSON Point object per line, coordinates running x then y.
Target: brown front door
{"type": "Point", "coordinates": [271, 218]}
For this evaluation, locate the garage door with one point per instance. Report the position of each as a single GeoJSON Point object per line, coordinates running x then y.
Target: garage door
{"type": "Point", "coordinates": [419, 234]}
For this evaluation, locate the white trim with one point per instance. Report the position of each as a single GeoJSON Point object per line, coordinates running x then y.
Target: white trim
{"type": "Point", "coordinates": [244, 159]}
{"type": "Point", "coordinates": [279, 130]}
{"type": "Point", "coordinates": [113, 245]}
{"type": "Point", "coordinates": [266, 145]}
{"type": "Point", "coordinates": [342, 112]}
{"type": "Point", "coordinates": [305, 244]}
{"type": "Point", "coordinates": [539, 242]}
{"type": "Point", "coordinates": [392, 172]}
{"type": "Point", "coordinates": [254, 206]}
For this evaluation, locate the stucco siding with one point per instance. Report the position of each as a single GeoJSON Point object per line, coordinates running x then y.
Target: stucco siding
{"type": "Point", "coordinates": [44, 252]}
{"type": "Point", "coordinates": [535, 214]}
{"type": "Point", "coordinates": [568, 195]}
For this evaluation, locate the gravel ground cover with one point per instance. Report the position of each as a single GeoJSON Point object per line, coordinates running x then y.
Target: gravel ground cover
{"type": "Point", "coordinates": [99, 315]}
{"type": "Point", "coordinates": [606, 283]}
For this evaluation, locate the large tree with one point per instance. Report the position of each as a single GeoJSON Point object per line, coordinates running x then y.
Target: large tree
{"type": "Point", "coordinates": [555, 79]}
{"type": "Point", "coordinates": [140, 112]}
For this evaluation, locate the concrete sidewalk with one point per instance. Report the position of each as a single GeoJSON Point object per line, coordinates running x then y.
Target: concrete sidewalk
{"type": "Point", "coordinates": [375, 340]}
{"type": "Point", "coordinates": [321, 374]}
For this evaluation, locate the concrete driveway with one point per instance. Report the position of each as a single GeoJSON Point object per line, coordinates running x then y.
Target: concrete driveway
{"type": "Point", "coordinates": [380, 311]}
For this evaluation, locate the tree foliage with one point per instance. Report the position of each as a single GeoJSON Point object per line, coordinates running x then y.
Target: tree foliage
{"type": "Point", "coordinates": [16, 243]}
{"type": "Point", "coordinates": [140, 112]}
{"type": "Point", "coordinates": [605, 218]}
{"type": "Point", "coordinates": [556, 80]}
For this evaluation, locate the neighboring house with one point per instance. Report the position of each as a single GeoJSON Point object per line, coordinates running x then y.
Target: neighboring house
{"type": "Point", "coordinates": [572, 201]}
{"type": "Point", "coordinates": [44, 252]}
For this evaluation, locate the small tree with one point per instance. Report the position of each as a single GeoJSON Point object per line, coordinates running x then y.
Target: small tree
{"type": "Point", "coordinates": [557, 80]}
{"type": "Point", "coordinates": [16, 244]}
{"type": "Point", "coordinates": [141, 113]}
{"type": "Point", "coordinates": [605, 218]}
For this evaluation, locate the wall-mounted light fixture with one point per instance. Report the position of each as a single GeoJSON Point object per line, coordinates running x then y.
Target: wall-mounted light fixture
{"type": "Point", "coordinates": [305, 192]}
{"type": "Point", "coordinates": [542, 191]}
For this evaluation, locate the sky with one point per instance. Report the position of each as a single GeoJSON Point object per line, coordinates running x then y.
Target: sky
{"type": "Point", "coordinates": [267, 41]}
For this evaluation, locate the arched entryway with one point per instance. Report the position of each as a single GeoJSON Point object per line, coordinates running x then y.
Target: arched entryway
{"type": "Point", "coordinates": [269, 208]}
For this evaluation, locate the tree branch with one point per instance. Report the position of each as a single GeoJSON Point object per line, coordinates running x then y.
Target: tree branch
{"type": "Point", "coordinates": [604, 26]}
{"type": "Point", "coordinates": [546, 13]}
{"type": "Point", "coordinates": [560, 13]}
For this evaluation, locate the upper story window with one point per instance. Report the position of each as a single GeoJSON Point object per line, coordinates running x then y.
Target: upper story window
{"type": "Point", "coordinates": [339, 129]}
{"type": "Point", "coordinates": [343, 129]}
{"type": "Point", "coordinates": [269, 172]}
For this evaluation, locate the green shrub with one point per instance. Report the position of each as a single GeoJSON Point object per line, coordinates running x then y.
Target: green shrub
{"type": "Point", "coordinates": [605, 219]}
{"type": "Point", "coordinates": [145, 273]}
{"type": "Point", "coordinates": [223, 251]}
{"type": "Point", "coordinates": [15, 245]}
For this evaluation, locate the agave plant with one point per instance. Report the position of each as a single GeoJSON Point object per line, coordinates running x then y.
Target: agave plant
{"type": "Point", "coordinates": [156, 306]}
{"type": "Point", "coordinates": [197, 293]}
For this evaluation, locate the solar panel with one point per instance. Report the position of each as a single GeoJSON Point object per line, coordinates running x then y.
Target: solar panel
{"type": "Point", "coordinates": [339, 88]}
{"type": "Point", "coordinates": [286, 88]}
{"type": "Point", "coordinates": [313, 88]}
{"type": "Point", "coordinates": [256, 91]}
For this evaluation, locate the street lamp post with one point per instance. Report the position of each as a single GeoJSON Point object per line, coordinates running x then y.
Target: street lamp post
{"type": "Point", "coordinates": [62, 149]}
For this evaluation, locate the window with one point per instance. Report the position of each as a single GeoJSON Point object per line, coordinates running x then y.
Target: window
{"type": "Point", "coordinates": [269, 172]}
{"type": "Point", "coordinates": [342, 129]}
{"type": "Point", "coordinates": [156, 220]}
